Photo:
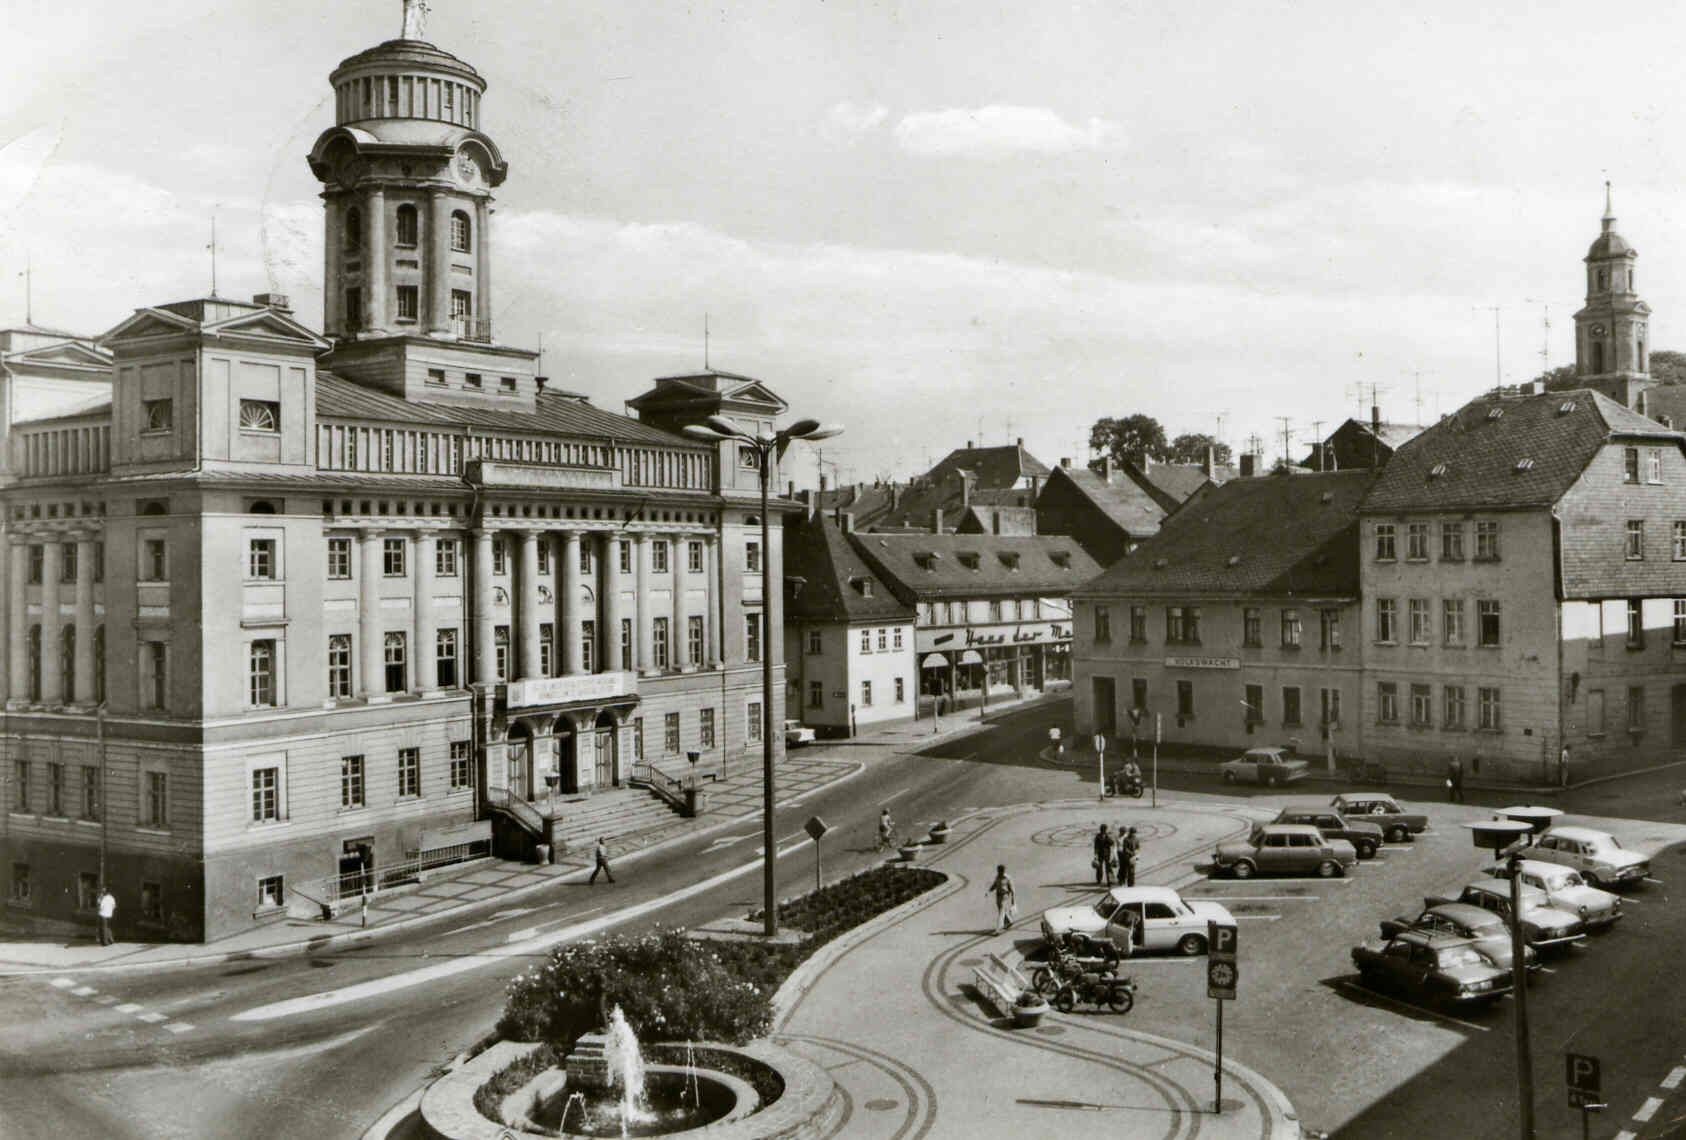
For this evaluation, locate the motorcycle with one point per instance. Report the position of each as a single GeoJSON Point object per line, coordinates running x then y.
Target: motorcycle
{"type": "Point", "coordinates": [1097, 987]}
{"type": "Point", "coordinates": [1072, 956]}
{"type": "Point", "coordinates": [1132, 786]}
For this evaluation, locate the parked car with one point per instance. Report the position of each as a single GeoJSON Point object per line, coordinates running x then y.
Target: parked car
{"type": "Point", "coordinates": [1365, 837]}
{"type": "Point", "coordinates": [1487, 932]}
{"type": "Point", "coordinates": [1267, 766]}
{"type": "Point", "coordinates": [1431, 967]}
{"type": "Point", "coordinates": [795, 732]}
{"type": "Point", "coordinates": [1397, 824]}
{"type": "Point", "coordinates": [1137, 919]}
{"type": "Point", "coordinates": [1566, 890]}
{"type": "Point", "coordinates": [1543, 925]}
{"type": "Point", "coordinates": [1595, 854]}
{"type": "Point", "coordinates": [1284, 849]}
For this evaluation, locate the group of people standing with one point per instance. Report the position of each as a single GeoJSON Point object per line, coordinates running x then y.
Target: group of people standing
{"type": "Point", "coordinates": [1115, 856]}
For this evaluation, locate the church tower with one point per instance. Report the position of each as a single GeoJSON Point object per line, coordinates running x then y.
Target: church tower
{"type": "Point", "coordinates": [407, 175]}
{"type": "Point", "coordinates": [1611, 329]}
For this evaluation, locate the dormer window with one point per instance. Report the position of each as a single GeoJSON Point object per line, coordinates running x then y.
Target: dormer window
{"type": "Point", "coordinates": [1060, 558]}
{"type": "Point", "coordinates": [969, 559]}
{"type": "Point", "coordinates": [1524, 464]}
{"type": "Point", "coordinates": [863, 586]}
{"type": "Point", "coordinates": [1437, 471]}
{"type": "Point", "coordinates": [926, 560]}
{"type": "Point", "coordinates": [259, 415]}
{"type": "Point", "coordinates": [1009, 560]}
{"type": "Point", "coordinates": [1567, 407]}
{"type": "Point", "coordinates": [1495, 413]}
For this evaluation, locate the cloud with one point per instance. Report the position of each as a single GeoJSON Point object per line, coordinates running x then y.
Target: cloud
{"type": "Point", "coordinates": [994, 131]}
{"type": "Point", "coordinates": [857, 118]}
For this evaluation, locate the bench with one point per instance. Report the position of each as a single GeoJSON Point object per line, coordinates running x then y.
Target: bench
{"type": "Point", "coordinates": [1000, 984]}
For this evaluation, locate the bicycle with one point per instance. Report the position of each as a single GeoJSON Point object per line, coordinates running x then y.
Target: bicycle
{"type": "Point", "coordinates": [886, 839]}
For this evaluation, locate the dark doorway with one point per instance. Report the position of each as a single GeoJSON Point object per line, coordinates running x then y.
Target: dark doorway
{"type": "Point", "coordinates": [607, 773]}
{"type": "Point", "coordinates": [357, 866]}
{"type": "Point", "coordinates": [1106, 705]}
{"type": "Point", "coordinates": [520, 751]}
{"type": "Point", "coordinates": [1678, 713]}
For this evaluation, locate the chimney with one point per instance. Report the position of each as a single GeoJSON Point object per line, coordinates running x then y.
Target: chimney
{"type": "Point", "coordinates": [1376, 418]}
{"type": "Point", "coordinates": [1209, 461]}
{"type": "Point", "coordinates": [1249, 465]}
{"type": "Point", "coordinates": [846, 520]}
{"type": "Point", "coordinates": [822, 482]}
{"type": "Point", "coordinates": [277, 301]}
{"type": "Point", "coordinates": [1065, 462]}
{"type": "Point", "coordinates": [1021, 441]}
{"type": "Point", "coordinates": [1106, 470]}
{"type": "Point", "coordinates": [937, 520]}
{"type": "Point", "coordinates": [965, 489]}
{"type": "Point", "coordinates": [538, 384]}
{"type": "Point", "coordinates": [1035, 486]}
{"type": "Point", "coordinates": [968, 445]}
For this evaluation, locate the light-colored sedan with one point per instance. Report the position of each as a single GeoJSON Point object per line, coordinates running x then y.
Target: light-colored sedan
{"type": "Point", "coordinates": [1284, 849]}
{"type": "Point", "coordinates": [1595, 854]}
{"type": "Point", "coordinates": [1267, 766]}
{"type": "Point", "coordinates": [1384, 811]}
{"type": "Point", "coordinates": [1137, 919]}
{"type": "Point", "coordinates": [1566, 890]}
{"type": "Point", "coordinates": [1543, 925]}
{"type": "Point", "coordinates": [795, 733]}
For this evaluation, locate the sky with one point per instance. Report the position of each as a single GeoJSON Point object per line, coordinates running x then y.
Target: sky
{"type": "Point", "coordinates": [930, 222]}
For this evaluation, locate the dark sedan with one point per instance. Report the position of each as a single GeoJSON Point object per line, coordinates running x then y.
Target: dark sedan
{"type": "Point", "coordinates": [1486, 931]}
{"type": "Point", "coordinates": [1431, 968]}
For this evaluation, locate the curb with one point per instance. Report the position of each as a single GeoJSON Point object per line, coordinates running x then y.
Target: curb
{"type": "Point", "coordinates": [322, 942]}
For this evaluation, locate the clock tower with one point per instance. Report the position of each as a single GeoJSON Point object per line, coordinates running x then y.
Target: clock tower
{"type": "Point", "coordinates": [1611, 330]}
{"type": "Point", "coordinates": [407, 175]}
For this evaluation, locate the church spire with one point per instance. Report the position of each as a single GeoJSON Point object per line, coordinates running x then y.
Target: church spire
{"type": "Point", "coordinates": [1611, 329]}
{"type": "Point", "coordinates": [1609, 210]}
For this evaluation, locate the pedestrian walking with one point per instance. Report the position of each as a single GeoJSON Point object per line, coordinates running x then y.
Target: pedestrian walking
{"type": "Point", "coordinates": [601, 856]}
{"type": "Point", "coordinates": [107, 908]}
{"type": "Point", "coordinates": [1128, 848]}
{"type": "Point", "coordinates": [1103, 856]}
{"type": "Point", "coordinates": [1006, 903]}
{"type": "Point", "coordinates": [1454, 781]}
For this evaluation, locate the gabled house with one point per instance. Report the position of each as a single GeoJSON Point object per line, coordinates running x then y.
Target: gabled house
{"type": "Point", "coordinates": [1109, 515]}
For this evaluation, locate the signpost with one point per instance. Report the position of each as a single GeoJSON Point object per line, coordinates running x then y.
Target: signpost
{"type": "Point", "coordinates": [1156, 722]}
{"type": "Point", "coordinates": [1100, 758]}
{"type": "Point", "coordinates": [816, 827]}
{"type": "Point", "coordinates": [1584, 1077]}
{"type": "Point", "coordinates": [1221, 975]}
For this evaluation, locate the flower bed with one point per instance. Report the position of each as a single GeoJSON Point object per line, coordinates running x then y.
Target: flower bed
{"type": "Point", "coordinates": [839, 906]}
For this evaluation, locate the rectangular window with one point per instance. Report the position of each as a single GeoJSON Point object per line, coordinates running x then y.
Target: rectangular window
{"type": "Point", "coordinates": [1252, 703]}
{"type": "Point", "coordinates": [705, 729]}
{"type": "Point", "coordinates": [1653, 465]}
{"type": "Point", "coordinates": [90, 792]}
{"type": "Point", "coordinates": [1452, 621]}
{"type": "Point", "coordinates": [353, 309]}
{"type": "Point", "coordinates": [1680, 621]}
{"type": "Point", "coordinates": [694, 638]}
{"type": "Point", "coordinates": [1173, 625]}
{"type": "Point", "coordinates": [1487, 622]}
{"type": "Point", "coordinates": [1103, 625]}
{"type": "Point", "coordinates": [1422, 705]}
{"type": "Point", "coordinates": [409, 772]}
{"type": "Point", "coordinates": [995, 609]}
{"type": "Point", "coordinates": [1451, 542]}
{"type": "Point", "coordinates": [816, 642]}
{"type": "Point", "coordinates": [1331, 710]}
{"type": "Point", "coordinates": [896, 638]}
{"type": "Point", "coordinates": [1185, 699]}
{"type": "Point", "coordinates": [816, 694]}
{"type": "Point", "coordinates": [752, 636]}
{"type": "Point", "coordinates": [753, 729]}
{"type": "Point", "coordinates": [1329, 622]}
{"type": "Point", "coordinates": [436, 377]}
{"type": "Point", "coordinates": [266, 795]}
{"type": "Point", "coordinates": [21, 891]}
{"type": "Point", "coordinates": [1290, 705]}
{"type": "Point", "coordinates": [37, 564]}
{"type": "Point", "coordinates": [658, 643]}
{"type": "Point", "coordinates": [1630, 465]}
{"type": "Point", "coordinates": [1416, 541]}
{"type": "Point", "coordinates": [151, 902]}
{"type": "Point", "coordinates": [625, 556]}
{"type": "Point", "coordinates": [1138, 693]}
{"type": "Point", "coordinates": [261, 674]}
{"type": "Point", "coordinates": [638, 738]}
{"type": "Point", "coordinates": [155, 563]}
{"type": "Point", "coordinates": [67, 562]}
{"type": "Point", "coordinates": [542, 549]}
{"type": "Point", "coordinates": [445, 657]}
{"type": "Point", "coordinates": [1680, 541]}
{"type": "Point", "coordinates": [1292, 633]}
{"type": "Point", "coordinates": [1422, 625]}
{"type": "Point", "coordinates": [694, 557]}
{"type": "Point", "coordinates": [1252, 627]}
{"type": "Point", "coordinates": [339, 558]}
{"type": "Point", "coordinates": [883, 641]}
{"type": "Point", "coordinates": [1385, 549]}
{"type": "Point", "coordinates": [157, 800]}
{"type": "Point", "coordinates": [588, 646]}
{"type": "Point", "coordinates": [500, 651]}
{"type": "Point", "coordinates": [445, 558]}
{"type": "Point", "coordinates": [20, 785]}
{"type": "Point", "coordinates": [392, 557]}
{"type": "Point", "coordinates": [55, 788]}
{"type": "Point", "coordinates": [99, 561]}
{"type": "Point", "coordinates": [670, 732]}
{"type": "Point", "coordinates": [462, 773]}
{"type": "Point", "coordinates": [1452, 699]}
{"type": "Point", "coordinates": [396, 652]}
{"type": "Point", "coordinates": [409, 302]}
{"type": "Point", "coordinates": [1635, 623]}
{"type": "Point", "coordinates": [752, 556]}
{"type": "Point", "coordinates": [351, 782]}
{"type": "Point", "coordinates": [1387, 620]}
{"type": "Point", "coordinates": [658, 556]}
{"type": "Point", "coordinates": [547, 649]}
{"type": "Point", "coordinates": [1635, 540]}
{"type": "Point", "coordinates": [1387, 702]}
{"type": "Point", "coordinates": [1489, 710]}
{"type": "Point", "coordinates": [500, 555]}
{"type": "Point", "coordinates": [1487, 540]}
{"type": "Point", "coordinates": [866, 694]}
{"type": "Point", "coordinates": [901, 690]}
{"type": "Point", "coordinates": [156, 414]}
{"type": "Point", "coordinates": [626, 643]}
{"type": "Point", "coordinates": [155, 681]}
{"type": "Point", "coordinates": [271, 890]}
{"type": "Point", "coordinates": [585, 558]}
{"type": "Point", "coordinates": [1138, 624]}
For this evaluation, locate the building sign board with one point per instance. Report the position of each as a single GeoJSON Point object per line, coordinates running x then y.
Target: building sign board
{"type": "Point", "coordinates": [577, 687]}
{"type": "Point", "coordinates": [1203, 662]}
{"type": "Point", "coordinates": [1011, 633]}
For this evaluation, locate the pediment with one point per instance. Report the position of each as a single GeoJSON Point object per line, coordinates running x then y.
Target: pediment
{"type": "Point", "coordinates": [70, 353]}
{"type": "Point", "coordinates": [148, 323]}
{"type": "Point", "coordinates": [756, 394]}
{"type": "Point", "coordinates": [270, 325]}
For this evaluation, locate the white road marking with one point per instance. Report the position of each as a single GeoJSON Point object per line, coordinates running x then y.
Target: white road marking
{"type": "Point", "coordinates": [1366, 990]}
{"type": "Point", "coordinates": [725, 841]}
{"type": "Point", "coordinates": [1649, 879]}
{"type": "Point", "coordinates": [1255, 917]}
{"type": "Point", "coordinates": [532, 931]}
{"type": "Point", "coordinates": [1265, 898]}
{"type": "Point", "coordinates": [789, 803]}
{"type": "Point", "coordinates": [128, 1007]}
{"type": "Point", "coordinates": [1648, 1109]}
{"type": "Point", "coordinates": [1673, 1079]}
{"type": "Point", "coordinates": [179, 1027]}
{"type": "Point", "coordinates": [893, 795]}
{"type": "Point", "coordinates": [63, 983]}
{"type": "Point", "coordinates": [84, 991]}
{"type": "Point", "coordinates": [151, 1018]}
{"type": "Point", "coordinates": [1624, 1134]}
{"type": "Point", "coordinates": [357, 992]}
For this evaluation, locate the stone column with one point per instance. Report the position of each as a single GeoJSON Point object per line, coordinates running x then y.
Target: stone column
{"type": "Point", "coordinates": [426, 671]}
{"type": "Point", "coordinates": [371, 686]}
{"type": "Point", "coordinates": [568, 632]}
{"type": "Point", "coordinates": [527, 609]}
{"type": "Point", "coordinates": [484, 619]}
{"type": "Point", "coordinates": [483, 264]}
{"type": "Point", "coordinates": [18, 607]}
{"type": "Point", "coordinates": [609, 586]}
{"type": "Point", "coordinates": [377, 271]}
{"type": "Point", "coordinates": [84, 619]}
{"type": "Point", "coordinates": [679, 563]}
{"type": "Point", "coordinates": [711, 631]}
{"type": "Point", "coordinates": [641, 603]}
{"type": "Point", "coordinates": [52, 676]}
{"type": "Point", "coordinates": [333, 256]}
{"type": "Point", "coordinates": [438, 263]}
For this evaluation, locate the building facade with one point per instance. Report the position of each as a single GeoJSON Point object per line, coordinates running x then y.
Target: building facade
{"type": "Point", "coordinates": [291, 614]}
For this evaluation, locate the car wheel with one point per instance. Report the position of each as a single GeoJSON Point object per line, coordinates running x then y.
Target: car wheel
{"type": "Point", "coordinates": [1328, 869]}
{"type": "Point", "coordinates": [1120, 998]}
{"type": "Point", "coordinates": [1270, 781]}
{"type": "Point", "coordinates": [1190, 945]}
{"type": "Point", "coordinates": [1229, 777]}
{"type": "Point", "coordinates": [1366, 850]}
{"type": "Point", "coordinates": [1398, 835]}
{"type": "Point", "coordinates": [1065, 998]}
{"type": "Point", "coordinates": [1242, 870]}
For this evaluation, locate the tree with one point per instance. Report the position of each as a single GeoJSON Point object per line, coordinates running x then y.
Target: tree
{"type": "Point", "coordinates": [1558, 379]}
{"type": "Point", "coordinates": [1668, 367]}
{"type": "Point", "coordinates": [1132, 439]}
{"type": "Point", "coordinates": [1190, 447]}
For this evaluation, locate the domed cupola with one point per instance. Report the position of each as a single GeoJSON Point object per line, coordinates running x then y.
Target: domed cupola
{"type": "Point", "coordinates": [1611, 330]}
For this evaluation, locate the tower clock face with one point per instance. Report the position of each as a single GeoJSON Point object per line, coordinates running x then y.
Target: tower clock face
{"type": "Point", "coordinates": [468, 170]}
{"type": "Point", "coordinates": [1597, 330]}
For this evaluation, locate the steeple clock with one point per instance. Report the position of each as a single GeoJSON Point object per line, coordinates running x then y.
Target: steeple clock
{"type": "Point", "coordinates": [1611, 329]}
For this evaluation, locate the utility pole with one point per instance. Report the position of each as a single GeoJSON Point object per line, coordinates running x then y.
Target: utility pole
{"type": "Point", "coordinates": [1287, 431]}
{"type": "Point", "coordinates": [213, 248]}
{"type": "Point", "coordinates": [1317, 443]}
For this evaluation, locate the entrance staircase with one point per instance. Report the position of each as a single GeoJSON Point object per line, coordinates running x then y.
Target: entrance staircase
{"type": "Point", "coordinates": [611, 812]}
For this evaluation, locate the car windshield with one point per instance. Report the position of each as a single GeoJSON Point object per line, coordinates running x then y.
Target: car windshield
{"type": "Point", "coordinates": [1561, 880]}
{"type": "Point", "coordinates": [1106, 906]}
{"type": "Point", "coordinates": [1459, 956]}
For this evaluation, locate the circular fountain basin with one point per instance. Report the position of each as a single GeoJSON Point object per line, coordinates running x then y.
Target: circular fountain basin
{"type": "Point", "coordinates": [677, 1099]}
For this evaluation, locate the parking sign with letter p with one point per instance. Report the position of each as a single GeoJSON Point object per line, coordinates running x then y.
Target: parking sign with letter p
{"type": "Point", "coordinates": [1585, 1078]}
{"type": "Point", "coordinates": [1220, 941]}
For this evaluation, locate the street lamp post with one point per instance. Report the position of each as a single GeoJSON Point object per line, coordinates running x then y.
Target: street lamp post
{"type": "Point", "coordinates": [769, 449]}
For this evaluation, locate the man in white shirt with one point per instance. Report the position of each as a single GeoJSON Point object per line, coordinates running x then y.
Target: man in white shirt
{"type": "Point", "coordinates": [108, 907]}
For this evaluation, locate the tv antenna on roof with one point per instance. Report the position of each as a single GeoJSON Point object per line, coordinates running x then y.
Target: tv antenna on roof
{"type": "Point", "coordinates": [705, 342]}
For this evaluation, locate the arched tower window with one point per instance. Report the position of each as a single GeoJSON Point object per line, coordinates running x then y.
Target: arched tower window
{"type": "Point", "coordinates": [67, 663]}
{"type": "Point", "coordinates": [460, 236]}
{"type": "Point", "coordinates": [406, 224]}
{"type": "Point", "coordinates": [1597, 357]}
{"type": "Point", "coordinates": [1603, 280]}
{"type": "Point", "coordinates": [1639, 354]}
{"type": "Point", "coordinates": [353, 230]}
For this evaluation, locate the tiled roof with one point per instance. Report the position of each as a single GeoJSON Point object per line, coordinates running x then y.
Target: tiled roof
{"type": "Point", "coordinates": [1180, 480]}
{"type": "Point", "coordinates": [1273, 535]}
{"type": "Point", "coordinates": [919, 566]}
{"type": "Point", "coordinates": [991, 466]}
{"type": "Point", "coordinates": [987, 519]}
{"type": "Point", "coordinates": [833, 575]}
{"type": "Point", "coordinates": [1474, 458]}
{"type": "Point", "coordinates": [1122, 500]}
{"type": "Point", "coordinates": [339, 398]}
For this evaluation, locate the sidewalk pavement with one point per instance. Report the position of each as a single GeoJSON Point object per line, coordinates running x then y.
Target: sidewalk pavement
{"type": "Point", "coordinates": [481, 885]}
{"type": "Point", "coordinates": [896, 1020]}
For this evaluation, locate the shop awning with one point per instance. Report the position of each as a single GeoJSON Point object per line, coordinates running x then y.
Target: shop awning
{"type": "Point", "coordinates": [971, 657]}
{"type": "Point", "coordinates": [934, 661]}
